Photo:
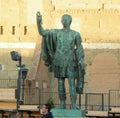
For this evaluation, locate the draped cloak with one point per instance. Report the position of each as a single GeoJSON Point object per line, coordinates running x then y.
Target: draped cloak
{"type": "Point", "coordinates": [63, 53]}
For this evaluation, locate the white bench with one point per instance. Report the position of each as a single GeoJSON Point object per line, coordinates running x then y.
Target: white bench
{"type": "Point", "coordinates": [97, 114]}
{"type": "Point", "coordinates": [7, 108]}
{"type": "Point", "coordinates": [29, 109]}
{"type": "Point", "coordinates": [7, 102]}
{"type": "Point", "coordinates": [114, 110]}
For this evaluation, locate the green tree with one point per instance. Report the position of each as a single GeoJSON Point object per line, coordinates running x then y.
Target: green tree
{"type": "Point", "coordinates": [50, 102]}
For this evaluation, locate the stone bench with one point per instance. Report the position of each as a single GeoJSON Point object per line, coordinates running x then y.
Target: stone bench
{"type": "Point", "coordinates": [97, 114]}
{"type": "Point", "coordinates": [7, 108]}
{"type": "Point", "coordinates": [8, 103]}
{"type": "Point", "coordinates": [113, 111]}
{"type": "Point", "coordinates": [31, 110]}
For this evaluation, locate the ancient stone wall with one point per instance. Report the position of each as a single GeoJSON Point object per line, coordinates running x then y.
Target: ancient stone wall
{"type": "Point", "coordinates": [97, 21]}
{"type": "Point", "coordinates": [18, 32]}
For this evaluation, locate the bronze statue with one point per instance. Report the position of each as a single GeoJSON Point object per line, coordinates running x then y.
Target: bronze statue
{"type": "Point", "coordinates": [63, 54]}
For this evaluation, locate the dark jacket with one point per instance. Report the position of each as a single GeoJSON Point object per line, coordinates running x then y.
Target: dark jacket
{"type": "Point", "coordinates": [48, 115]}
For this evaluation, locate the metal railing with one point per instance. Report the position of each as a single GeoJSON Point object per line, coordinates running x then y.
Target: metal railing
{"type": "Point", "coordinates": [8, 83]}
{"type": "Point", "coordinates": [97, 101]}
{"type": "Point", "coordinates": [32, 96]}
{"type": "Point", "coordinates": [38, 96]}
{"type": "Point", "coordinates": [114, 98]}
{"type": "Point", "coordinates": [88, 101]}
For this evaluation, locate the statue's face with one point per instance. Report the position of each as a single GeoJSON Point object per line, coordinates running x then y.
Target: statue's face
{"type": "Point", "coordinates": [66, 20]}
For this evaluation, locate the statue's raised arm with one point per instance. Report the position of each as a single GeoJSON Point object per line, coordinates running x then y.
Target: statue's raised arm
{"type": "Point", "coordinates": [39, 23]}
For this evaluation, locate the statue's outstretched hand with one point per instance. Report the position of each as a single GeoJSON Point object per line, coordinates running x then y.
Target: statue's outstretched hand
{"type": "Point", "coordinates": [39, 17]}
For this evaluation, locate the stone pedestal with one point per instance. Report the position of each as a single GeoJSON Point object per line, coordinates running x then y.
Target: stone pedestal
{"type": "Point", "coordinates": [68, 113]}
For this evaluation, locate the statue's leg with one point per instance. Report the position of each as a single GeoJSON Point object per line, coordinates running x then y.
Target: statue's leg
{"type": "Point", "coordinates": [80, 82]}
{"type": "Point", "coordinates": [62, 93]}
{"type": "Point", "coordinates": [73, 95]}
{"type": "Point", "coordinates": [80, 85]}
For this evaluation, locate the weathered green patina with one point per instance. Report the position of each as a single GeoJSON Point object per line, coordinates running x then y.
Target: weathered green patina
{"type": "Point", "coordinates": [63, 54]}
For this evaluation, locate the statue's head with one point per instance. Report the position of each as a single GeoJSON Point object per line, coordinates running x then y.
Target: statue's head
{"type": "Point", "coordinates": [66, 20]}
